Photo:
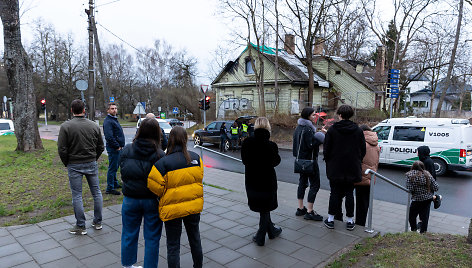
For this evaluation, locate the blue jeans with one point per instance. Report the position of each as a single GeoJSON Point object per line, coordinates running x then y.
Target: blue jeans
{"type": "Point", "coordinates": [133, 211]}
{"type": "Point", "coordinates": [173, 233]}
{"type": "Point", "coordinates": [76, 173]}
{"type": "Point", "coordinates": [113, 164]}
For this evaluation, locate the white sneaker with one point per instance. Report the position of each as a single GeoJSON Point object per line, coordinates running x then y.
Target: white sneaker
{"type": "Point", "coordinates": [132, 266]}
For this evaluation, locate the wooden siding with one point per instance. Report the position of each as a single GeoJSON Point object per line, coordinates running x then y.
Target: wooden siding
{"type": "Point", "coordinates": [352, 91]}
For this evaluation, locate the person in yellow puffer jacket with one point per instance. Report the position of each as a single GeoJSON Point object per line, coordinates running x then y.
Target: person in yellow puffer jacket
{"type": "Point", "coordinates": [177, 180]}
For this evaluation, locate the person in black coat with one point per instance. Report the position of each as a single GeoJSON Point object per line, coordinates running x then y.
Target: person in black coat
{"type": "Point", "coordinates": [343, 150]}
{"type": "Point", "coordinates": [306, 145]}
{"type": "Point", "coordinates": [223, 137]}
{"type": "Point", "coordinates": [260, 156]}
{"type": "Point", "coordinates": [423, 155]}
{"type": "Point", "coordinates": [139, 202]}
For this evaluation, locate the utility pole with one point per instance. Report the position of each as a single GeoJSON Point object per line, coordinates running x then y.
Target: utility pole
{"type": "Point", "coordinates": [91, 78]}
{"type": "Point", "coordinates": [100, 64]}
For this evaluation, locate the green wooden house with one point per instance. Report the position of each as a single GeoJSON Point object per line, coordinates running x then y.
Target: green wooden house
{"type": "Point", "coordinates": [237, 94]}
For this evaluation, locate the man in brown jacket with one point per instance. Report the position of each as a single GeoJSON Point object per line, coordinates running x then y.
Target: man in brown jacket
{"type": "Point", "coordinates": [370, 161]}
{"type": "Point", "coordinates": [79, 145]}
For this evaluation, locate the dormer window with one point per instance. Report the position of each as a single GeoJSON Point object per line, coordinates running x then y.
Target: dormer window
{"type": "Point", "coordinates": [338, 72]}
{"type": "Point", "coordinates": [249, 69]}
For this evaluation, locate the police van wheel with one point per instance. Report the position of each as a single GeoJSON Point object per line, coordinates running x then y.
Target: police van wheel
{"type": "Point", "coordinates": [440, 166]}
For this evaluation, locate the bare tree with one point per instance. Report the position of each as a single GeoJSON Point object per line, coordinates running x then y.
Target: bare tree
{"type": "Point", "coordinates": [20, 77]}
{"type": "Point", "coordinates": [453, 58]}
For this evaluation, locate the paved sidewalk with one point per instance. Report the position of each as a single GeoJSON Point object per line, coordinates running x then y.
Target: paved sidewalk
{"type": "Point", "coordinates": [227, 226]}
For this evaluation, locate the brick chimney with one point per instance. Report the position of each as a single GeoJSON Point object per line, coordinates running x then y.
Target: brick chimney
{"type": "Point", "coordinates": [289, 44]}
{"type": "Point", "coordinates": [380, 66]}
{"type": "Point", "coordinates": [318, 49]}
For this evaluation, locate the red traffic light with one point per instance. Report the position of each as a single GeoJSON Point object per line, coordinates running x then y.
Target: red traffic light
{"type": "Point", "coordinates": [207, 98]}
{"type": "Point", "coordinates": [43, 101]}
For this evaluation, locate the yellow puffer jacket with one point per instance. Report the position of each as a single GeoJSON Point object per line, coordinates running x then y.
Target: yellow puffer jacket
{"type": "Point", "coordinates": [178, 185]}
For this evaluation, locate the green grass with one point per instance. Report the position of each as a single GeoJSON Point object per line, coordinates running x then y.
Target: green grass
{"type": "Point", "coordinates": [34, 186]}
{"type": "Point", "coordinates": [408, 250]}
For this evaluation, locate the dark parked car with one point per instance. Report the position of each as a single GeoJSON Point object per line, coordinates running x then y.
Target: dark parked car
{"type": "Point", "coordinates": [175, 122]}
{"type": "Point", "coordinates": [211, 133]}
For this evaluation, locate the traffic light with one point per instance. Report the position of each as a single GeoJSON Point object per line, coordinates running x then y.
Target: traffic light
{"type": "Point", "coordinates": [43, 104]}
{"type": "Point", "coordinates": [200, 104]}
{"type": "Point", "coordinates": [207, 102]}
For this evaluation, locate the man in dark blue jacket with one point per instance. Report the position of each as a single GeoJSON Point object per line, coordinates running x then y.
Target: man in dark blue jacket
{"type": "Point", "coordinates": [115, 141]}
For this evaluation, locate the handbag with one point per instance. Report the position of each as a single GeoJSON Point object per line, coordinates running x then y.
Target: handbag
{"type": "Point", "coordinates": [303, 166]}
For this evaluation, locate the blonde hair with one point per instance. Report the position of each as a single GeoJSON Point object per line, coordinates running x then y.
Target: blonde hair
{"type": "Point", "coordinates": [262, 122]}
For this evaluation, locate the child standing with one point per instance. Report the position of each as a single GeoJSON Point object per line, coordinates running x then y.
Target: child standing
{"type": "Point", "coordinates": [422, 186]}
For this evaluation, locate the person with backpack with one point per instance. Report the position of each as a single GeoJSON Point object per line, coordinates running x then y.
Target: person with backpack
{"type": "Point", "coordinates": [422, 187]}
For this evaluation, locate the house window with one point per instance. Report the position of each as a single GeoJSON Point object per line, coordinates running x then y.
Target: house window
{"type": "Point", "coordinates": [249, 69]}
{"type": "Point", "coordinates": [420, 104]}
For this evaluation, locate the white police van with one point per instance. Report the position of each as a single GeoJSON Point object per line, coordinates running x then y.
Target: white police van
{"type": "Point", "coordinates": [6, 127]}
{"type": "Point", "coordinates": [449, 139]}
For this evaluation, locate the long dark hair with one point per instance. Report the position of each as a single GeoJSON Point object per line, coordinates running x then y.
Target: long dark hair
{"type": "Point", "coordinates": [419, 166]}
{"type": "Point", "coordinates": [149, 130]}
{"type": "Point", "coordinates": [178, 137]}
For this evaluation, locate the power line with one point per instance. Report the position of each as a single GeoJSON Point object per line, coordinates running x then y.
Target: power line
{"type": "Point", "coordinates": [107, 3]}
{"type": "Point", "coordinates": [122, 40]}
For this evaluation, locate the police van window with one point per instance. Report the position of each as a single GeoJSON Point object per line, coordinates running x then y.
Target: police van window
{"type": "Point", "coordinates": [4, 126]}
{"type": "Point", "coordinates": [408, 133]}
{"type": "Point", "coordinates": [211, 126]}
{"type": "Point", "coordinates": [382, 132]}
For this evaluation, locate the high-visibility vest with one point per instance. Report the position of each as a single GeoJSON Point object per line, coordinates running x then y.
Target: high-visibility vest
{"type": "Point", "coordinates": [234, 130]}
{"type": "Point", "coordinates": [244, 127]}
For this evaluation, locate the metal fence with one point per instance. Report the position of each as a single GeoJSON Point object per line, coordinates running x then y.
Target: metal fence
{"type": "Point", "coordinates": [371, 198]}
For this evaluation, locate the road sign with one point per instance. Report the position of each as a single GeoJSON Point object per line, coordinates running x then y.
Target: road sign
{"type": "Point", "coordinates": [163, 115]}
{"type": "Point", "coordinates": [393, 81]}
{"type": "Point", "coordinates": [394, 71]}
{"type": "Point", "coordinates": [395, 76]}
{"type": "Point", "coordinates": [175, 110]}
{"type": "Point", "coordinates": [81, 85]}
{"type": "Point", "coordinates": [394, 95]}
{"type": "Point", "coordinates": [204, 88]}
{"type": "Point", "coordinates": [112, 99]}
{"type": "Point", "coordinates": [139, 109]}
{"type": "Point", "coordinates": [394, 90]}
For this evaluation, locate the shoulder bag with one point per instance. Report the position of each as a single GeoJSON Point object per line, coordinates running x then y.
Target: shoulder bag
{"type": "Point", "coordinates": [302, 166]}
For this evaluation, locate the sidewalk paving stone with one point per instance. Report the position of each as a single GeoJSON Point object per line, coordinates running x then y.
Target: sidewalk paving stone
{"type": "Point", "coordinates": [227, 226]}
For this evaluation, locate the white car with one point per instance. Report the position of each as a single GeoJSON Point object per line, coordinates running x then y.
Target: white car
{"type": "Point", "coordinates": [6, 127]}
{"type": "Point", "coordinates": [162, 123]}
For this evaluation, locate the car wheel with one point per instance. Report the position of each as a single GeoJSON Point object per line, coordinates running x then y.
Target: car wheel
{"type": "Point", "coordinates": [227, 145]}
{"type": "Point", "coordinates": [440, 166]}
{"type": "Point", "coordinates": [197, 140]}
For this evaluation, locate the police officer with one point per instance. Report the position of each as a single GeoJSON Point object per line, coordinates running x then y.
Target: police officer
{"type": "Point", "coordinates": [234, 135]}
{"type": "Point", "coordinates": [244, 129]}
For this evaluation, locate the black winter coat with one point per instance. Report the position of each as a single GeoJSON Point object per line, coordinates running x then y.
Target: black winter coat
{"type": "Point", "coordinates": [423, 155]}
{"type": "Point", "coordinates": [136, 161]}
{"type": "Point", "coordinates": [260, 156]}
{"type": "Point", "coordinates": [343, 151]}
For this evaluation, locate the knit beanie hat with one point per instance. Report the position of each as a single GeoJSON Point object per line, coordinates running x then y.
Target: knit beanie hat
{"type": "Point", "coordinates": [306, 112]}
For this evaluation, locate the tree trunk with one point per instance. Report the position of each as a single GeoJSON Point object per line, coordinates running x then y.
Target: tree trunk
{"type": "Point", "coordinates": [469, 237]}
{"type": "Point", "coordinates": [20, 78]}
{"type": "Point", "coordinates": [451, 62]}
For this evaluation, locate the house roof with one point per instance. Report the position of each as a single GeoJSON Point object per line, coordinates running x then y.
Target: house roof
{"type": "Point", "coordinates": [427, 91]}
{"type": "Point", "coordinates": [289, 65]}
{"type": "Point", "coordinates": [366, 77]}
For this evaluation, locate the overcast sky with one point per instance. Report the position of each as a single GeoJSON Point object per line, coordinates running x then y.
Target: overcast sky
{"type": "Point", "coordinates": [185, 24]}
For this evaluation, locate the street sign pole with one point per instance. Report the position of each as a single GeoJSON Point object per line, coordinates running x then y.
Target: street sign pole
{"type": "Point", "coordinates": [392, 87]}
{"type": "Point", "coordinates": [45, 115]}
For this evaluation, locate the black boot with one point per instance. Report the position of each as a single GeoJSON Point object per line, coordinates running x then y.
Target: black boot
{"type": "Point", "coordinates": [274, 232]}
{"type": "Point", "coordinates": [259, 239]}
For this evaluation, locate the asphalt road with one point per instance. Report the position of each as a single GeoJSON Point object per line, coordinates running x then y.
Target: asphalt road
{"type": "Point", "coordinates": [455, 187]}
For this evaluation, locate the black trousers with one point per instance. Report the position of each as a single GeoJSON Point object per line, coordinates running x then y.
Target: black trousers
{"type": "Point", "coordinates": [362, 203]}
{"type": "Point", "coordinates": [338, 192]}
{"type": "Point", "coordinates": [222, 142]}
{"type": "Point", "coordinates": [420, 208]}
{"type": "Point", "coordinates": [314, 180]}
{"type": "Point", "coordinates": [266, 226]}
{"type": "Point", "coordinates": [173, 233]}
